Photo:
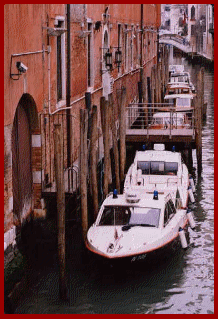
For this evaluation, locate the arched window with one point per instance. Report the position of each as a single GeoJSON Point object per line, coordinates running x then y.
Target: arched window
{"type": "Point", "coordinates": [193, 13]}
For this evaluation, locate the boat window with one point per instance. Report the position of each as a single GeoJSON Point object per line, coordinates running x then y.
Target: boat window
{"type": "Point", "coordinates": [183, 102]}
{"type": "Point", "coordinates": [169, 212]}
{"type": "Point", "coordinates": [167, 120]}
{"type": "Point", "coordinates": [158, 120]}
{"type": "Point", "coordinates": [115, 215]}
{"type": "Point", "coordinates": [144, 166]}
{"type": "Point", "coordinates": [145, 216]}
{"type": "Point", "coordinates": [178, 121]}
{"type": "Point", "coordinates": [158, 168]}
{"type": "Point", "coordinates": [171, 167]}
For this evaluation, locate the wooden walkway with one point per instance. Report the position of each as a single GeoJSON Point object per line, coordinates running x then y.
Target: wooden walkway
{"type": "Point", "coordinates": [166, 135]}
{"type": "Point", "coordinates": [138, 131]}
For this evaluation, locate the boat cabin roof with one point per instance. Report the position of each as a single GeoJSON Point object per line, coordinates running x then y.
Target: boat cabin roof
{"type": "Point", "coordinates": [178, 99]}
{"type": "Point", "coordinates": [144, 201]}
{"type": "Point", "coordinates": [176, 68]}
{"type": "Point", "coordinates": [167, 115]}
{"type": "Point", "coordinates": [158, 156]}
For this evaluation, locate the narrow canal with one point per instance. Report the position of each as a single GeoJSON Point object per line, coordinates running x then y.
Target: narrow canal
{"type": "Point", "coordinates": [182, 284]}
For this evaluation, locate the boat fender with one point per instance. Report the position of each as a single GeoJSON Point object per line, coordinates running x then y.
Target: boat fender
{"type": "Point", "coordinates": [191, 195]}
{"type": "Point", "coordinates": [192, 184]}
{"type": "Point", "coordinates": [191, 219]}
{"type": "Point", "coordinates": [182, 238]}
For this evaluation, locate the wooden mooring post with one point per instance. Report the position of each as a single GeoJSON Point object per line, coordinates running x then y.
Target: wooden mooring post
{"type": "Point", "coordinates": [59, 176]}
{"type": "Point", "coordinates": [83, 169]}
{"type": "Point", "coordinates": [105, 130]}
{"type": "Point", "coordinates": [93, 159]}
{"type": "Point", "coordinates": [198, 120]}
{"type": "Point", "coordinates": [115, 143]}
{"type": "Point", "coordinates": [122, 131]}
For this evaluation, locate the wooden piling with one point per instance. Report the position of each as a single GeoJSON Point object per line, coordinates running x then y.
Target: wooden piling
{"type": "Point", "coordinates": [105, 130]}
{"type": "Point", "coordinates": [152, 88]}
{"type": "Point", "coordinates": [83, 169]}
{"type": "Point", "coordinates": [59, 176]}
{"type": "Point", "coordinates": [122, 131]}
{"type": "Point", "coordinates": [198, 123]}
{"type": "Point", "coordinates": [115, 144]}
{"type": "Point", "coordinates": [93, 159]}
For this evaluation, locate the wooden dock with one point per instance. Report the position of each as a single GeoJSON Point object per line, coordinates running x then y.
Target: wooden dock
{"type": "Point", "coordinates": [139, 128]}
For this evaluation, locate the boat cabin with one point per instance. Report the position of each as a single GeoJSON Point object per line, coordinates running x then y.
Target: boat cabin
{"type": "Point", "coordinates": [178, 88]}
{"type": "Point", "coordinates": [180, 102]}
{"type": "Point", "coordinates": [164, 120]}
{"type": "Point", "coordinates": [147, 212]}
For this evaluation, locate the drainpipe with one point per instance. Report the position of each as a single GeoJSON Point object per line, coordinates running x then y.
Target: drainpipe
{"type": "Point", "coordinates": [68, 93]}
{"type": "Point", "coordinates": [140, 84]}
{"type": "Point", "coordinates": [141, 55]}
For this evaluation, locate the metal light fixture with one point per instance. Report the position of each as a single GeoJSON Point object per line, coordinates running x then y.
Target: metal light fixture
{"type": "Point", "coordinates": [118, 57]}
{"type": "Point", "coordinates": [108, 60]}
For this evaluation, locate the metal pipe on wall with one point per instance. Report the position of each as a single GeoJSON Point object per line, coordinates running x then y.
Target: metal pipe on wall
{"type": "Point", "coordinates": [68, 90]}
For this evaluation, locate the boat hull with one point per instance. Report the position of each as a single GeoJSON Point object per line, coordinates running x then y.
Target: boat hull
{"type": "Point", "coordinates": [154, 255]}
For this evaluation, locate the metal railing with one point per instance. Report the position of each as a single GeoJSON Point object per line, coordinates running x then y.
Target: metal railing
{"type": "Point", "coordinates": [163, 117]}
{"type": "Point", "coordinates": [71, 174]}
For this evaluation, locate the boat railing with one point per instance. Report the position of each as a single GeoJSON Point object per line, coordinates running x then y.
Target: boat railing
{"type": "Point", "coordinates": [146, 180]}
{"type": "Point", "coordinates": [159, 116]}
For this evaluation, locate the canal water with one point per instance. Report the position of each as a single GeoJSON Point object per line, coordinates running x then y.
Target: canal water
{"type": "Point", "coordinates": [180, 284]}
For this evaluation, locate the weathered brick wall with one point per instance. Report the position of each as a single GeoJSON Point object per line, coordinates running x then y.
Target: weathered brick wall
{"type": "Point", "coordinates": [24, 32]}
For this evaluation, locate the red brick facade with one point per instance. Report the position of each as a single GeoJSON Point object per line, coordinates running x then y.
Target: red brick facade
{"type": "Point", "coordinates": [28, 39]}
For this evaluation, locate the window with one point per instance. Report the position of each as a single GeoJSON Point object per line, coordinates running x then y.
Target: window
{"type": "Point", "coordinates": [144, 166]}
{"type": "Point", "coordinates": [193, 13]}
{"type": "Point", "coordinates": [183, 102]}
{"type": "Point", "coordinates": [193, 30]}
{"type": "Point", "coordinates": [115, 215]}
{"type": "Point", "coordinates": [119, 44]}
{"type": "Point", "coordinates": [130, 215]}
{"type": "Point", "coordinates": [126, 47]}
{"type": "Point", "coordinates": [145, 216]}
{"type": "Point", "coordinates": [157, 168]}
{"type": "Point", "coordinates": [132, 47]}
{"type": "Point", "coordinates": [169, 212]}
{"type": "Point", "coordinates": [90, 55]}
{"type": "Point", "coordinates": [60, 61]}
{"type": "Point", "coordinates": [138, 44]}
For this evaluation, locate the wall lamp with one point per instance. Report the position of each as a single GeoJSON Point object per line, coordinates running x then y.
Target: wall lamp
{"type": "Point", "coordinates": [109, 61]}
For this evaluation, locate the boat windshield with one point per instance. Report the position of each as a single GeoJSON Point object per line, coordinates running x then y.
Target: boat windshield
{"type": "Point", "coordinates": [130, 216]}
{"type": "Point", "coordinates": [157, 168]}
{"type": "Point", "coordinates": [183, 102]}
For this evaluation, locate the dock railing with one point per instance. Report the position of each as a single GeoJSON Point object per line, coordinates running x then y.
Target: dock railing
{"type": "Point", "coordinates": [159, 118]}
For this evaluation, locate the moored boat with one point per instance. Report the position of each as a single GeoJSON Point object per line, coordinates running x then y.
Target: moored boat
{"type": "Point", "coordinates": [132, 226]}
{"type": "Point", "coordinates": [152, 212]}
{"type": "Point", "coordinates": [172, 120]}
{"type": "Point", "coordinates": [159, 170]}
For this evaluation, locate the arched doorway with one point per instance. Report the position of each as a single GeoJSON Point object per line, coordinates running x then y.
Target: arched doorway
{"type": "Point", "coordinates": [25, 121]}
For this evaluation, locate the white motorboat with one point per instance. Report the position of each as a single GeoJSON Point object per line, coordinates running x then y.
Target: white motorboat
{"type": "Point", "coordinates": [134, 226]}
{"type": "Point", "coordinates": [160, 170]}
{"type": "Point", "coordinates": [180, 78]}
{"type": "Point", "coordinates": [174, 120]}
{"type": "Point", "coordinates": [151, 213]}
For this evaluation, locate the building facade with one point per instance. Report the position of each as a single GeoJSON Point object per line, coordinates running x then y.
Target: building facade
{"type": "Point", "coordinates": [55, 58]}
{"type": "Point", "coordinates": [195, 22]}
